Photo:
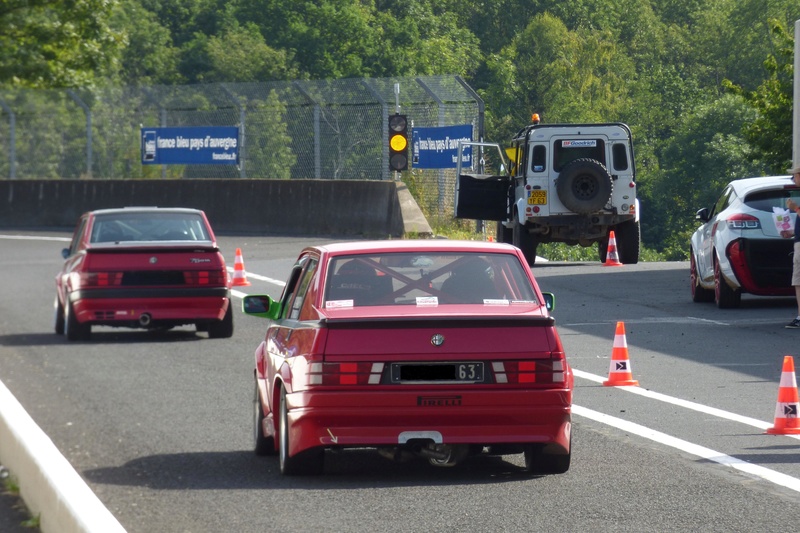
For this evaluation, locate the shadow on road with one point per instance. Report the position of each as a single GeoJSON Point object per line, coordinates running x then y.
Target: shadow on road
{"type": "Point", "coordinates": [345, 469]}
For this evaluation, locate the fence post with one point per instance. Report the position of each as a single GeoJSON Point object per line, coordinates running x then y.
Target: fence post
{"type": "Point", "coordinates": [242, 116]}
{"type": "Point", "coordinates": [440, 105]}
{"type": "Point", "coordinates": [88, 113]}
{"type": "Point", "coordinates": [384, 129]}
{"type": "Point", "coordinates": [317, 140]}
{"type": "Point", "coordinates": [12, 140]}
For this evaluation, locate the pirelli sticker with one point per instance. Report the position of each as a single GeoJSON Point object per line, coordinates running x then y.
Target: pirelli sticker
{"type": "Point", "coordinates": [580, 143]}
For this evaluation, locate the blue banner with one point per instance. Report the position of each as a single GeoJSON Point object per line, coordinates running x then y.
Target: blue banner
{"type": "Point", "coordinates": [438, 147]}
{"type": "Point", "coordinates": [207, 145]}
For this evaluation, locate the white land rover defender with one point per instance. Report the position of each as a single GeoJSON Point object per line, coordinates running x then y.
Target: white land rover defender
{"type": "Point", "coordinates": [571, 183]}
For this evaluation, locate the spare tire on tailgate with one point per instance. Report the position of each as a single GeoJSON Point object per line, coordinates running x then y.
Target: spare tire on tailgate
{"type": "Point", "coordinates": [584, 186]}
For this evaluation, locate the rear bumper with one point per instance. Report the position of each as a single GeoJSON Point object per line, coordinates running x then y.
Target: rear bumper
{"type": "Point", "coordinates": [762, 266]}
{"type": "Point", "coordinates": [388, 418]}
{"type": "Point", "coordinates": [123, 307]}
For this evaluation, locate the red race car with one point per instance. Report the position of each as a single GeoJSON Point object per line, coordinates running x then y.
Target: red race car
{"type": "Point", "coordinates": [431, 348]}
{"type": "Point", "coordinates": [143, 267]}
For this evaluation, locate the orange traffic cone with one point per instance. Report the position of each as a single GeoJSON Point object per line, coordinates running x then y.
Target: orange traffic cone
{"type": "Point", "coordinates": [612, 259]}
{"type": "Point", "coordinates": [786, 411]}
{"type": "Point", "coordinates": [239, 275]}
{"type": "Point", "coordinates": [619, 370]}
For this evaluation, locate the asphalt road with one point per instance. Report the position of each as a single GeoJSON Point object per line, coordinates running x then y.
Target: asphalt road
{"type": "Point", "coordinates": [159, 425]}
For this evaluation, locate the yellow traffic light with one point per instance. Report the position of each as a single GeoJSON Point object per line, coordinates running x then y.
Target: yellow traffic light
{"type": "Point", "coordinates": [398, 142]}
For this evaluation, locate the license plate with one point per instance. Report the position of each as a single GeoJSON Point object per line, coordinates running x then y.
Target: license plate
{"type": "Point", "coordinates": [537, 197]}
{"type": "Point", "coordinates": [466, 372]}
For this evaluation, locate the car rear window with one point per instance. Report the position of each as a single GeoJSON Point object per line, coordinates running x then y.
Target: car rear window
{"type": "Point", "coordinates": [766, 200]}
{"type": "Point", "coordinates": [423, 279]}
{"type": "Point", "coordinates": [149, 227]}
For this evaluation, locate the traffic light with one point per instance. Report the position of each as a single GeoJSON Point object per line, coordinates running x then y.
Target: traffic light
{"type": "Point", "coordinates": [398, 142]}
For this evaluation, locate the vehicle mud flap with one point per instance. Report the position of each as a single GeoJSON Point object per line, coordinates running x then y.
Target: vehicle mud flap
{"type": "Point", "coordinates": [526, 242]}
{"type": "Point", "coordinates": [584, 186]}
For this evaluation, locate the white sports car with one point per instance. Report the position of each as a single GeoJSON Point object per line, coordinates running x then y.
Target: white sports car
{"type": "Point", "coordinates": [739, 248]}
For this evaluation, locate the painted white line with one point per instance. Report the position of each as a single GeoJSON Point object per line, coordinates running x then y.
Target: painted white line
{"type": "Point", "coordinates": [277, 282]}
{"type": "Point", "coordinates": [757, 471]}
{"type": "Point", "coordinates": [651, 320]}
{"type": "Point", "coordinates": [35, 238]}
{"type": "Point", "coordinates": [713, 411]}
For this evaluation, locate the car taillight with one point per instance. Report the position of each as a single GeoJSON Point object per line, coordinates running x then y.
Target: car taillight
{"type": "Point", "coordinates": [100, 279]}
{"type": "Point", "coordinates": [537, 371]}
{"type": "Point", "coordinates": [742, 221]}
{"type": "Point", "coordinates": [205, 277]}
{"type": "Point", "coordinates": [345, 373]}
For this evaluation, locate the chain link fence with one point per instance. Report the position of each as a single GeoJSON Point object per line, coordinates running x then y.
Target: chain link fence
{"type": "Point", "coordinates": [336, 129]}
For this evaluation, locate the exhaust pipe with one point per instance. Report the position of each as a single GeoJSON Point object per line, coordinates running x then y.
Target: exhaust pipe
{"type": "Point", "coordinates": [144, 319]}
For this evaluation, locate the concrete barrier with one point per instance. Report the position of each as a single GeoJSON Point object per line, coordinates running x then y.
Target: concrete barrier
{"type": "Point", "coordinates": [373, 209]}
{"type": "Point", "coordinates": [48, 484]}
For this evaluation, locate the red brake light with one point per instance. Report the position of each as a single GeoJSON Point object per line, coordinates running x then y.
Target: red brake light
{"type": "Point", "coordinates": [541, 371]}
{"type": "Point", "coordinates": [345, 374]}
{"type": "Point", "coordinates": [205, 277]}
{"type": "Point", "coordinates": [100, 279]}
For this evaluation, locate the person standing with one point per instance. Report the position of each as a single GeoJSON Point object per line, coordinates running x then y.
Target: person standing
{"type": "Point", "coordinates": [791, 204]}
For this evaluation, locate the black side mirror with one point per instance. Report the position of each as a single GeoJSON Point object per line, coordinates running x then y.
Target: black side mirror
{"type": "Point", "coordinates": [702, 215]}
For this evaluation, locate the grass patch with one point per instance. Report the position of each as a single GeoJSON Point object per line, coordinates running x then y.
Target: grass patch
{"type": "Point", "coordinates": [11, 488]}
{"type": "Point", "coordinates": [467, 230]}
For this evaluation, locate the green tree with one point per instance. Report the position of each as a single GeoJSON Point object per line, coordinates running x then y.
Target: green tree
{"type": "Point", "coordinates": [57, 43]}
{"type": "Point", "coordinates": [566, 76]}
{"type": "Point", "coordinates": [150, 56]}
{"type": "Point", "coordinates": [770, 132]}
{"type": "Point", "coordinates": [268, 143]}
{"type": "Point", "coordinates": [706, 152]}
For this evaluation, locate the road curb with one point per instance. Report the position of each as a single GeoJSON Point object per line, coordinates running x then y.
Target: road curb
{"type": "Point", "coordinates": [49, 485]}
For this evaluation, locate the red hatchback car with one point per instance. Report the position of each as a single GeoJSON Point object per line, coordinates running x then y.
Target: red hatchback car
{"type": "Point", "coordinates": [439, 349]}
{"type": "Point", "coordinates": [143, 267]}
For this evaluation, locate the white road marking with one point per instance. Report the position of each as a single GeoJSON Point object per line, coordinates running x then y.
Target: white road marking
{"type": "Point", "coordinates": [35, 238]}
{"type": "Point", "coordinates": [757, 471]}
{"type": "Point", "coordinates": [683, 403]}
{"type": "Point", "coordinates": [652, 320]}
{"type": "Point", "coordinates": [277, 282]}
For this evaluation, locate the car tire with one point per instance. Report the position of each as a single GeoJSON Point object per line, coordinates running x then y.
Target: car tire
{"type": "Point", "coordinates": [306, 463]}
{"type": "Point", "coordinates": [699, 293]}
{"type": "Point", "coordinates": [628, 237]}
{"type": "Point", "coordinates": [58, 319]}
{"type": "Point", "coordinates": [539, 462]}
{"type": "Point", "coordinates": [74, 330]}
{"type": "Point", "coordinates": [584, 186]}
{"type": "Point", "coordinates": [262, 444]}
{"type": "Point", "coordinates": [526, 242]}
{"type": "Point", "coordinates": [224, 328]}
{"type": "Point", "coordinates": [725, 296]}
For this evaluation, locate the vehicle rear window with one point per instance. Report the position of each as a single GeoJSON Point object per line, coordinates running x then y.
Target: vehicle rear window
{"type": "Point", "coordinates": [149, 226]}
{"type": "Point", "coordinates": [766, 200]}
{"type": "Point", "coordinates": [568, 150]}
{"type": "Point", "coordinates": [427, 279]}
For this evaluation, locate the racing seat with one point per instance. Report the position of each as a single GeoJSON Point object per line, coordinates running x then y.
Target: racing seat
{"type": "Point", "coordinates": [361, 283]}
{"type": "Point", "coordinates": [469, 283]}
{"type": "Point", "coordinates": [110, 233]}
